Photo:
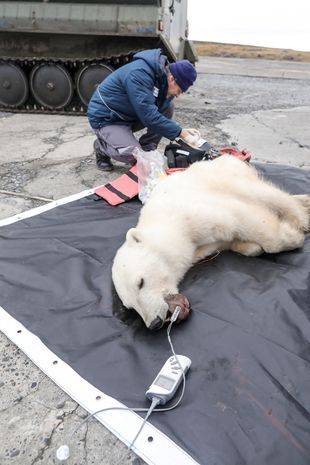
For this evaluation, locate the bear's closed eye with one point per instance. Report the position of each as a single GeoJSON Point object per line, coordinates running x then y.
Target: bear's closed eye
{"type": "Point", "coordinates": [141, 283]}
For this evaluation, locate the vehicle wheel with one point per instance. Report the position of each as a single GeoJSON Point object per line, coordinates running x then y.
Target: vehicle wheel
{"type": "Point", "coordinates": [51, 85]}
{"type": "Point", "coordinates": [14, 87]}
{"type": "Point", "coordinates": [88, 79]}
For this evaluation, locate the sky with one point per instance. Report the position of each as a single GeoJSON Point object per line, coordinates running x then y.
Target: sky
{"type": "Point", "coordinates": [267, 23]}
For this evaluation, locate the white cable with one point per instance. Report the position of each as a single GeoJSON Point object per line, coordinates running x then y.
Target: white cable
{"type": "Point", "coordinates": [155, 402]}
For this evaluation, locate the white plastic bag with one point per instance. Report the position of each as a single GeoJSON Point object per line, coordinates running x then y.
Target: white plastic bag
{"type": "Point", "coordinates": [150, 170]}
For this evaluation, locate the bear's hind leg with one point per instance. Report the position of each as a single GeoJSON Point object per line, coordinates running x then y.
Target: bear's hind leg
{"type": "Point", "coordinates": [286, 238]}
{"type": "Point", "coordinates": [283, 204]}
{"type": "Point", "coordinates": [304, 201]}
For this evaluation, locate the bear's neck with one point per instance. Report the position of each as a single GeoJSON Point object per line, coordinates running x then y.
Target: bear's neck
{"type": "Point", "coordinates": [171, 245]}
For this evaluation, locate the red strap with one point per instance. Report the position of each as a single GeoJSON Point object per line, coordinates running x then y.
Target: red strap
{"type": "Point", "coordinates": [174, 170]}
{"type": "Point", "coordinates": [244, 155]}
{"type": "Point", "coordinates": [121, 189]}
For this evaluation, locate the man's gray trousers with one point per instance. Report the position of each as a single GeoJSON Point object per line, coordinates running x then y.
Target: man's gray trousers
{"type": "Point", "coordinates": [118, 142]}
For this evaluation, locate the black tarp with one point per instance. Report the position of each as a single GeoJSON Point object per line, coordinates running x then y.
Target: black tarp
{"type": "Point", "coordinates": [248, 393]}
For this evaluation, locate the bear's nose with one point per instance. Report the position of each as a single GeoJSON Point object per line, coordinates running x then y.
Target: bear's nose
{"type": "Point", "coordinates": [156, 324]}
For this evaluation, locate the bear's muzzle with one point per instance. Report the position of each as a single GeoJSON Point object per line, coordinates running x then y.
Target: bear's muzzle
{"type": "Point", "coordinates": [178, 300]}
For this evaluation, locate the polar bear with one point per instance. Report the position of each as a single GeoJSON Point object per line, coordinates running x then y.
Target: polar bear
{"type": "Point", "coordinates": [212, 206]}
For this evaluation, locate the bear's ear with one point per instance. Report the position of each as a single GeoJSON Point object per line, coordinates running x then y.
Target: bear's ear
{"type": "Point", "coordinates": [133, 235]}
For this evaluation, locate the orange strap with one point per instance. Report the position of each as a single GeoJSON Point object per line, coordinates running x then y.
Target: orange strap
{"type": "Point", "coordinates": [121, 189]}
{"type": "Point", "coordinates": [243, 155]}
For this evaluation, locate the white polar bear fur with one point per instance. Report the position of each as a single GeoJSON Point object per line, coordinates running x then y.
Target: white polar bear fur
{"type": "Point", "coordinates": [218, 205]}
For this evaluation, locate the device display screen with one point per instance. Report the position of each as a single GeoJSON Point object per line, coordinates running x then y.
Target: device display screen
{"type": "Point", "coordinates": [164, 382]}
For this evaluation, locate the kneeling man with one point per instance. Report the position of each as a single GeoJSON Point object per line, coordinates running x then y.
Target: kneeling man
{"type": "Point", "coordinates": [137, 95]}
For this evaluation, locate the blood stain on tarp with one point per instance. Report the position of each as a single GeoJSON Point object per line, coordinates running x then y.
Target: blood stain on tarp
{"type": "Point", "coordinates": [275, 422]}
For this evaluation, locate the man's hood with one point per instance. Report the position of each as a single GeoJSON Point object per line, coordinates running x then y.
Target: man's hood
{"type": "Point", "coordinates": [154, 59]}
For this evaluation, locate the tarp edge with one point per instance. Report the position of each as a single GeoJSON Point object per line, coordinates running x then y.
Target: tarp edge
{"type": "Point", "coordinates": [43, 208]}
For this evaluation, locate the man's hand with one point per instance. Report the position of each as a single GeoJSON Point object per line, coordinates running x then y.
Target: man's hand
{"type": "Point", "coordinates": [190, 136]}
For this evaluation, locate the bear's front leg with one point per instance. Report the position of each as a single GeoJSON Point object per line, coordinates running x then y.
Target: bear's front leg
{"type": "Point", "coordinates": [249, 249]}
{"type": "Point", "coordinates": [209, 249]}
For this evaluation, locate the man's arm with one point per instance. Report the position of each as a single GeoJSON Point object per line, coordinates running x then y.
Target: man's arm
{"type": "Point", "coordinates": [140, 87]}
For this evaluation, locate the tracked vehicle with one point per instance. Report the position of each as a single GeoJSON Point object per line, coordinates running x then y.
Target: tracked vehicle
{"type": "Point", "coordinates": [53, 54]}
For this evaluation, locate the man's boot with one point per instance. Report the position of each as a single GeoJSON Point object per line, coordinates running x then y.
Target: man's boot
{"type": "Point", "coordinates": [103, 161]}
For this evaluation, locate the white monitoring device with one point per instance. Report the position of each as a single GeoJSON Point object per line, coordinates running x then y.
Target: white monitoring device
{"type": "Point", "coordinates": [168, 379]}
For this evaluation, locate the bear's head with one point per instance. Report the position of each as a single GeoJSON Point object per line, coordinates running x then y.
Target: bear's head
{"type": "Point", "coordinates": [145, 282]}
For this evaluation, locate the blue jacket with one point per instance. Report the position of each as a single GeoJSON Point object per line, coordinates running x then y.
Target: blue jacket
{"type": "Point", "coordinates": [135, 92]}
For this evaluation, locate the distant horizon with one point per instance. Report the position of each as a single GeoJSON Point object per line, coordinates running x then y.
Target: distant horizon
{"type": "Point", "coordinates": [246, 45]}
{"type": "Point", "coordinates": [264, 24]}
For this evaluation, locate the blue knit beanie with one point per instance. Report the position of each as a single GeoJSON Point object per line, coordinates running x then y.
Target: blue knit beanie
{"type": "Point", "coordinates": [184, 73]}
